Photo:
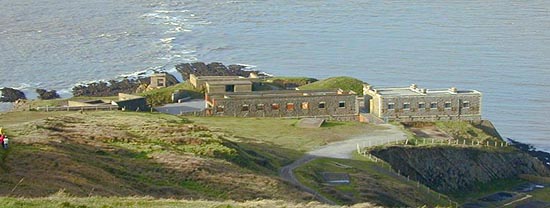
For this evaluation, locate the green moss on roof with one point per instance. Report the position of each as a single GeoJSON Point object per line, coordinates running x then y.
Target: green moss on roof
{"type": "Point", "coordinates": [344, 83]}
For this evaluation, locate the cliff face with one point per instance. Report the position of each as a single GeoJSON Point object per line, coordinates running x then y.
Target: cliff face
{"type": "Point", "coordinates": [450, 169]}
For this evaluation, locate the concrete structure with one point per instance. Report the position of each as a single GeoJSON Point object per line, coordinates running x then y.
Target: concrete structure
{"type": "Point", "coordinates": [228, 86]}
{"type": "Point", "coordinates": [416, 104]}
{"type": "Point", "coordinates": [131, 102]}
{"type": "Point", "coordinates": [124, 102]}
{"type": "Point", "coordinates": [334, 105]}
{"type": "Point", "coordinates": [158, 80]}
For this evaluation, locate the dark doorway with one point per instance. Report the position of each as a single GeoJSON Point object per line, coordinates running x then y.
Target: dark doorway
{"type": "Point", "coordinates": [229, 88]}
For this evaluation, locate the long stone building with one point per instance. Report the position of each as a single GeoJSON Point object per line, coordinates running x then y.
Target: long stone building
{"type": "Point", "coordinates": [416, 104]}
{"type": "Point", "coordinates": [332, 105]}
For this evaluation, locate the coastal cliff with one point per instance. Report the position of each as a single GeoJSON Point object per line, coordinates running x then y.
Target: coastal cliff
{"type": "Point", "coordinates": [450, 169]}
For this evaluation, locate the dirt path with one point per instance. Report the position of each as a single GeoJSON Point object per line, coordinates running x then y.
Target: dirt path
{"type": "Point", "coordinates": [343, 150]}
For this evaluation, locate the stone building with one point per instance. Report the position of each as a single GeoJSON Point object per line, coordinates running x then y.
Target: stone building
{"type": "Point", "coordinates": [228, 86]}
{"type": "Point", "coordinates": [334, 105]}
{"type": "Point", "coordinates": [199, 82]}
{"type": "Point", "coordinates": [416, 104]}
{"type": "Point", "coordinates": [158, 81]}
{"type": "Point", "coordinates": [125, 102]}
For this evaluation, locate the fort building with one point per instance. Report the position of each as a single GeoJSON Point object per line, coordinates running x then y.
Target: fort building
{"type": "Point", "coordinates": [417, 104]}
{"type": "Point", "coordinates": [158, 80]}
{"type": "Point", "coordinates": [328, 104]}
{"type": "Point", "coordinates": [228, 86]}
{"type": "Point", "coordinates": [125, 102]}
{"type": "Point", "coordinates": [200, 82]}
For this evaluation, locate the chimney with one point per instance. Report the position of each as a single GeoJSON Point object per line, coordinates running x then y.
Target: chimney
{"type": "Point", "coordinates": [413, 86]}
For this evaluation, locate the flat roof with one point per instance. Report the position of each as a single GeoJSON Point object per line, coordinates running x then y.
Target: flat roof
{"type": "Point", "coordinates": [408, 91]}
{"type": "Point", "coordinates": [229, 82]}
{"type": "Point", "coordinates": [279, 93]}
{"type": "Point", "coordinates": [218, 77]}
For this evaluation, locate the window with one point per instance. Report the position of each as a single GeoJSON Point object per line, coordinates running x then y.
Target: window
{"type": "Point", "coordinates": [275, 106]}
{"type": "Point", "coordinates": [322, 105]}
{"type": "Point", "coordinates": [406, 106]}
{"type": "Point", "coordinates": [220, 109]}
{"type": "Point", "coordinates": [290, 106]}
{"type": "Point", "coordinates": [447, 104]}
{"type": "Point", "coordinates": [466, 104]}
{"type": "Point", "coordinates": [245, 107]}
{"type": "Point", "coordinates": [342, 104]}
{"type": "Point", "coordinates": [305, 105]}
{"type": "Point", "coordinates": [433, 105]}
{"type": "Point", "coordinates": [391, 106]}
{"type": "Point", "coordinates": [229, 88]}
{"type": "Point", "coordinates": [160, 82]}
{"type": "Point", "coordinates": [260, 107]}
{"type": "Point", "coordinates": [421, 105]}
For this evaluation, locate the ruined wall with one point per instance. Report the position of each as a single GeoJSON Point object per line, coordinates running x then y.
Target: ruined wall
{"type": "Point", "coordinates": [299, 106]}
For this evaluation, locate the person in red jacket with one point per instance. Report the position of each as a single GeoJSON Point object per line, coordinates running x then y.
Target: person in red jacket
{"type": "Point", "coordinates": [2, 139]}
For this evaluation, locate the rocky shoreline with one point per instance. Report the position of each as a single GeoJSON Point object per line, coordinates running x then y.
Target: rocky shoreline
{"type": "Point", "coordinates": [531, 150]}
{"type": "Point", "coordinates": [113, 87]}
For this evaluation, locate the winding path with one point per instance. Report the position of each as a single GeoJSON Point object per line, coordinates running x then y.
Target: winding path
{"type": "Point", "coordinates": [342, 150]}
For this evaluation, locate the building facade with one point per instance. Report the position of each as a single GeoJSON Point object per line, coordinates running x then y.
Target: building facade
{"type": "Point", "coordinates": [213, 87]}
{"type": "Point", "coordinates": [416, 104]}
{"type": "Point", "coordinates": [332, 105]}
{"type": "Point", "coordinates": [158, 81]}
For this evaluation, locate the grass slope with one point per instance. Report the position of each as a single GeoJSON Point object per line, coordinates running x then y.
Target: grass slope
{"type": "Point", "coordinates": [62, 200]}
{"type": "Point", "coordinates": [344, 83]}
{"type": "Point", "coordinates": [133, 154]}
{"type": "Point", "coordinates": [370, 182]}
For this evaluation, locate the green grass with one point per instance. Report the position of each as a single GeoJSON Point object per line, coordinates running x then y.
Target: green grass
{"type": "Point", "coordinates": [281, 81]}
{"type": "Point", "coordinates": [369, 182]}
{"type": "Point", "coordinates": [163, 95]}
{"type": "Point", "coordinates": [283, 132]}
{"type": "Point", "coordinates": [486, 189]}
{"type": "Point", "coordinates": [136, 154]}
{"type": "Point", "coordinates": [62, 200]}
{"type": "Point", "coordinates": [344, 83]}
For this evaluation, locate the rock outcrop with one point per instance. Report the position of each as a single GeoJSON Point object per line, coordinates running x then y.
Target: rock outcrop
{"type": "Point", "coordinates": [212, 69]}
{"type": "Point", "coordinates": [11, 95]}
{"type": "Point", "coordinates": [47, 95]}
{"type": "Point", "coordinates": [102, 89]}
{"type": "Point", "coordinates": [451, 169]}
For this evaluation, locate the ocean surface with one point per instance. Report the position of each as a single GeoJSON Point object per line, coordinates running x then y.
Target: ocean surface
{"type": "Point", "coordinates": [501, 48]}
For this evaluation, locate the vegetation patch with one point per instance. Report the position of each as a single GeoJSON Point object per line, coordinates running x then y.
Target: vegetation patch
{"type": "Point", "coordinates": [344, 83]}
{"type": "Point", "coordinates": [369, 182]}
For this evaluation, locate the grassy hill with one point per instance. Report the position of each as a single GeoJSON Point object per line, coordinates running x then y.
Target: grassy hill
{"type": "Point", "coordinates": [129, 154]}
{"type": "Point", "coordinates": [133, 154]}
{"type": "Point", "coordinates": [345, 83]}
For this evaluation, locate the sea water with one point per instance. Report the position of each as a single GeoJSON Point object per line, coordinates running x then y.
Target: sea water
{"type": "Point", "coordinates": [498, 47]}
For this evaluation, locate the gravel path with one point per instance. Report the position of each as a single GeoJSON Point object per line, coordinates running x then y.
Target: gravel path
{"type": "Point", "coordinates": [343, 150]}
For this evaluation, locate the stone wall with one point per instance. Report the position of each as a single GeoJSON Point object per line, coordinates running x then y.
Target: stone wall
{"type": "Point", "coordinates": [221, 88]}
{"type": "Point", "coordinates": [456, 110]}
{"type": "Point", "coordinates": [296, 106]}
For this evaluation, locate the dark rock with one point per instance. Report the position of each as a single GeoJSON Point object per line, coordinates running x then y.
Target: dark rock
{"type": "Point", "coordinates": [102, 89]}
{"type": "Point", "coordinates": [11, 95]}
{"type": "Point", "coordinates": [212, 69]}
{"type": "Point", "coordinates": [529, 149]}
{"type": "Point", "coordinates": [452, 169]}
{"type": "Point", "coordinates": [47, 95]}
